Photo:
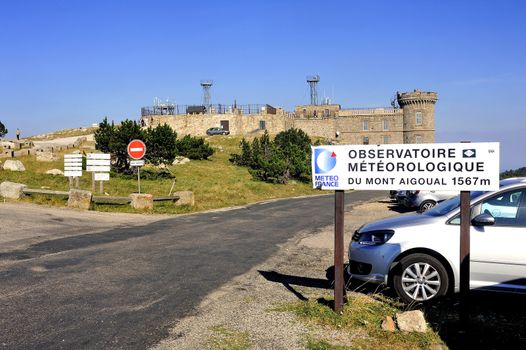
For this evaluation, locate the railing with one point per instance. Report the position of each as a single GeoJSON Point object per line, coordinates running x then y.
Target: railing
{"type": "Point", "coordinates": [212, 109]}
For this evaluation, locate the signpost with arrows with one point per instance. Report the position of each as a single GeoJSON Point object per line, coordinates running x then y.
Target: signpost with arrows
{"type": "Point", "coordinates": [136, 151]}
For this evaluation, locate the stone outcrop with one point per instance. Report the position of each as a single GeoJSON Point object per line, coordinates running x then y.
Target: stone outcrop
{"type": "Point", "coordinates": [388, 324]}
{"type": "Point", "coordinates": [185, 198]}
{"type": "Point", "coordinates": [79, 199]}
{"type": "Point", "coordinates": [11, 190]}
{"type": "Point", "coordinates": [411, 321]}
{"type": "Point", "coordinates": [55, 172]}
{"type": "Point", "coordinates": [141, 201]}
{"type": "Point", "coordinates": [180, 160]}
{"type": "Point", "coordinates": [47, 157]}
{"type": "Point", "coordinates": [14, 165]}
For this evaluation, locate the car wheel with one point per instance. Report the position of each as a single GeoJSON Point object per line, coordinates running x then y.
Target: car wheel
{"type": "Point", "coordinates": [419, 278]}
{"type": "Point", "coordinates": [426, 205]}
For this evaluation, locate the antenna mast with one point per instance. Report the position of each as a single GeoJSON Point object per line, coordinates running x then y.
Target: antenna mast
{"type": "Point", "coordinates": [206, 85]}
{"type": "Point", "coordinates": [313, 81]}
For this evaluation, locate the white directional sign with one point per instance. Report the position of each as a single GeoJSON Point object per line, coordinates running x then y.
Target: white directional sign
{"type": "Point", "coordinates": [137, 162]}
{"type": "Point", "coordinates": [437, 166]}
{"type": "Point", "coordinates": [98, 162]}
{"type": "Point", "coordinates": [101, 176]}
{"type": "Point", "coordinates": [73, 164]}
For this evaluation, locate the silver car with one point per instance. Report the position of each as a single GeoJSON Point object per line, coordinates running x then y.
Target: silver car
{"type": "Point", "coordinates": [425, 200]}
{"type": "Point", "coordinates": [418, 254]}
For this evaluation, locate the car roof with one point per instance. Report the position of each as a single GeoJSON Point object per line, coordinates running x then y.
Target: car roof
{"type": "Point", "coordinates": [512, 181]}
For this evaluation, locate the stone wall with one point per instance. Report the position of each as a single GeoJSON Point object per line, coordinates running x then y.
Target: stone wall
{"type": "Point", "coordinates": [239, 124]}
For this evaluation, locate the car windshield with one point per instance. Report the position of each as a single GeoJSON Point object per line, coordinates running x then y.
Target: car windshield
{"type": "Point", "coordinates": [450, 204]}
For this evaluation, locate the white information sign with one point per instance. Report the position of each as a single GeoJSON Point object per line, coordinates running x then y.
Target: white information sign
{"type": "Point", "coordinates": [101, 176]}
{"type": "Point", "coordinates": [98, 162]}
{"type": "Point", "coordinates": [434, 166]}
{"type": "Point", "coordinates": [73, 164]}
{"type": "Point", "coordinates": [137, 162]}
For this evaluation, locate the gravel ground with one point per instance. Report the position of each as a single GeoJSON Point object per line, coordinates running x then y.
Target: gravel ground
{"type": "Point", "coordinates": [245, 304]}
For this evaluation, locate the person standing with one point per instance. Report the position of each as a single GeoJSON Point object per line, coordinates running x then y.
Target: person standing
{"type": "Point", "coordinates": [17, 133]}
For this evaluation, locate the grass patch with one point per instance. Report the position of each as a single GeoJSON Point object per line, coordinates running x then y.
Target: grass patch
{"type": "Point", "coordinates": [227, 339]}
{"type": "Point", "coordinates": [216, 183]}
{"type": "Point", "coordinates": [359, 325]}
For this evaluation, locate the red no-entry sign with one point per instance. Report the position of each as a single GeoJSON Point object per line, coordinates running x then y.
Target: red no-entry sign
{"type": "Point", "coordinates": [136, 149]}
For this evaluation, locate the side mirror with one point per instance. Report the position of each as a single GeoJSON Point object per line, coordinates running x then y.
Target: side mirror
{"type": "Point", "coordinates": [483, 219]}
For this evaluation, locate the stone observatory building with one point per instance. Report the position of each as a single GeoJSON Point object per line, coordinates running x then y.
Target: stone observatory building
{"type": "Point", "coordinates": [411, 119]}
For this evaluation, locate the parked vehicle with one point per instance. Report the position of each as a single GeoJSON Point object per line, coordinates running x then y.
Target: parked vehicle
{"type": "Point", "coordinates": [418, 254]}
{"type": "Point", "coordinates": [217, 131]}
{"type": "Point", "coordinates": [400, 197]}
{"type": "Point", "coordinates": [425, 200]}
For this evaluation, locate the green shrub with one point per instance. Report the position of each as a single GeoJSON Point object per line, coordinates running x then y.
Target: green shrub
{"type": "Point", "coordinates": [3, 130]}
{"type": "Point", "coordinates": [160, 145]}
{"type": "Point", "coordinates": [286, 157]}
{"type": "Point", "coordinates": [194, 148]}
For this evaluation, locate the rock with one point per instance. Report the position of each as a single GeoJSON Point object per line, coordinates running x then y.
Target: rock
{"type": "Point", "coordinates": [185, 198]}
{"type": "Point", "coordinates": [11, 190]}
{"type": "Point", "coordinates": [55, 172]}
{"type": "Point", "coordinates": [141, 201]}
{"type": "Point", "coordinates": [180, 160]}
{"type": "Point", "coordinates": [388, 324]}
{"type": "Point", "coordinates": [14, 165]}
{"type": "Point", "coordinates": [411, 321]}
{"type": "Point", "coordinates": [47, 157]}
{"type": "Point", "coordinates": [79, 199]}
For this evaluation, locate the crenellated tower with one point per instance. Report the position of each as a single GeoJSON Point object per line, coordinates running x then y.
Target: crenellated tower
{"type": "Point", "coordinates": [418, 116]}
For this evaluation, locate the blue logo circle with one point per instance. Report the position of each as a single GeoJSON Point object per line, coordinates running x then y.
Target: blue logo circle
{"type": "Point", "coordinates": [325, 161]}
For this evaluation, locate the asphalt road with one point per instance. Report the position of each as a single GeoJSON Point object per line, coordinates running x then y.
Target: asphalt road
{"type": "Point", "coordinates": [75, 280]}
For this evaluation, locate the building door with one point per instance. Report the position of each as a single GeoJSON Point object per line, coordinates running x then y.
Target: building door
{"type": "Point", "coordinates": [225, 125]}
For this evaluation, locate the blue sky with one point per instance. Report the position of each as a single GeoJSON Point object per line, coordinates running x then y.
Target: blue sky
{"type": "Point", "coordinates": [70, 63]}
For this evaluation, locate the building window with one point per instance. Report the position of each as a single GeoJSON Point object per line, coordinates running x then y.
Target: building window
{"type": "Point", "coordinates": [262, 125]}
{"type": "Point", "coordinates": [365, 125]}
{"type": "Point", "coordinates": [386, 125]}
{"type": "Point", "coordinates": [366, 140]}
{"type": "Point", "coordinates": [386, 139]}
{"type": "Point", "coordinates": [418, 139]}
{"type": "Point", "coordinates": [418, 118]}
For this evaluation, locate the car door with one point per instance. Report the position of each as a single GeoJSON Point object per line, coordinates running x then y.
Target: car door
{"type": "Point", "coordinates": [498, 252]}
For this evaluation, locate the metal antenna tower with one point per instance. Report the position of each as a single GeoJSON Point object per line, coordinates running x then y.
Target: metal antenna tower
{"type": "Point", "coordinates": [313, 81]}
{"type": "Point", "coordinates": [206, 85]}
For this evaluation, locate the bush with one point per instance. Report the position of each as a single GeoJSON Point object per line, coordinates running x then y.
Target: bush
{"type": "Point", "coordinates": [287, 157]}
{"type": "Point", "coordinates": [3, 130]}
{"type": "Point", "coordinates": [161, 142]}
{"type": "Point", "coordinates": [194, 148]}
{"type": "Point", "coordinates": [160, 145]}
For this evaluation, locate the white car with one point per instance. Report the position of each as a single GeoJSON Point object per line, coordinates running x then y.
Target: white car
{"type": "Point", "coordinates": [418, 254]}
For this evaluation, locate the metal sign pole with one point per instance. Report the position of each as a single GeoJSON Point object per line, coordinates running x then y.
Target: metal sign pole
{"type": "Point", "coordinates": [465, 218]}
{"type": "Point", "coordinates": [339, 197]}
{"type": "Point", "coordinates": [139, 178]}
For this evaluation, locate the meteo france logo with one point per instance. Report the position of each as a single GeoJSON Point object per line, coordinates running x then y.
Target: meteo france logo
{"type": "Point", "coordinates": [325, 160]}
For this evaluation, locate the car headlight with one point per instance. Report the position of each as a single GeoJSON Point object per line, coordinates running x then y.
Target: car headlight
{"type": "Point", "coordinates": [373, 237]}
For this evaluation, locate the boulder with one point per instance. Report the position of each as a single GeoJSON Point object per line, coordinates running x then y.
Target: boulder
{"type": "Point", "coordinates": [411, 321]}
{"type": "Point", "coordinates": [141, 201]}
{"type": "Point", "coordinates": [47, 157]}
{"type": "Point", "coordinates": [180, 160]}
{"type": "Point", "coordinates": [185, 198]}
{"type": "Point", "coordinates": [12, 190]}
{"type": "Point", "coordinates": [55, 172]}
{"type": "Point", "coordinates": [79, 199]}
{"type": "Point", "coordinates": [388, 324]}
{"type": "Point", "coordinates": [14, 165]}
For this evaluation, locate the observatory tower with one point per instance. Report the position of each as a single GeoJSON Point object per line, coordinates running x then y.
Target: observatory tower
{"type": "Point", "coordinates": [418, 116]}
